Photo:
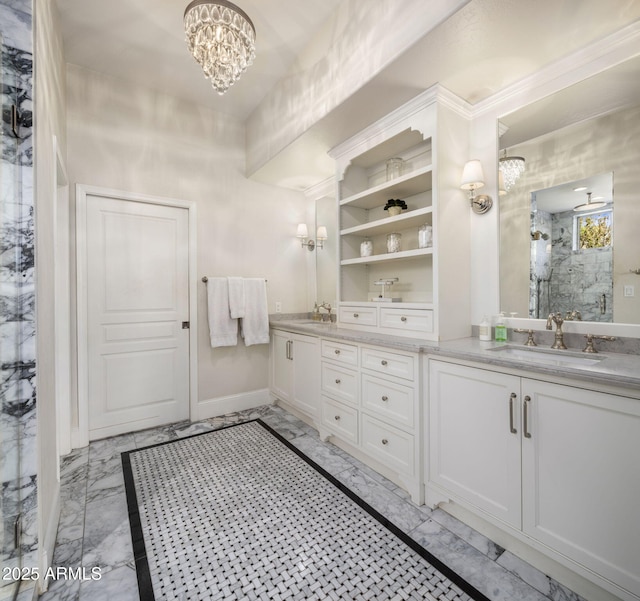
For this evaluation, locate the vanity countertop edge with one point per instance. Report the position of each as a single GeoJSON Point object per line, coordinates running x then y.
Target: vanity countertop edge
{"type": "Point", "coordinates": [615, 369]}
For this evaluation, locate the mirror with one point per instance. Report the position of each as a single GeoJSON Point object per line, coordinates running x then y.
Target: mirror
{"type": "Point", "coordinates": [327, 257]}
{"type": "Point", "coordinates": [587, 134]}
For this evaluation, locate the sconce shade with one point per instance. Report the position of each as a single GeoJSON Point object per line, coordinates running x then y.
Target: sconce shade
{"type": "Point", "coordinates": [321, 233]}
{"type": "Point", "coordinates": [302, 231]}
{"type": "Point", "coordinates": [472, 175]}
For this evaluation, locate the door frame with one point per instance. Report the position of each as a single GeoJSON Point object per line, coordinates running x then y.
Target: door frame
{"type": "Point", "coordinates": [80, 431]}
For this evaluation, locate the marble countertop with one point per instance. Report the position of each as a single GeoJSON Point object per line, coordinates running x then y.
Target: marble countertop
{"type": "Point", "coordinates": [612, 369]}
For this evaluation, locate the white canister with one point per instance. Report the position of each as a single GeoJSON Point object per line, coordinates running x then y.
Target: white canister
{"type": "Point", "coordinates": [425, 236]}
{"type": "Point", "coordinates": [393, 242]}
{"type": "Point", "coordinates": [366, 248]}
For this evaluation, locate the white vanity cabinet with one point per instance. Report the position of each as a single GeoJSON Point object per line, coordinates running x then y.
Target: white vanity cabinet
{"type": "Point", "coordinates": [295, 370]}
{"type": "Point", "coordinates": [558, 464]}
{"type": "Point", "coordinates": [370, 400]}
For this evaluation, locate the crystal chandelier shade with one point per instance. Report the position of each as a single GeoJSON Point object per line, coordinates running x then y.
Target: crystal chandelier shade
{"type": "Point", "coordinates": [221, 38]}
{"type": "Point", "coordinates": [511, 168]}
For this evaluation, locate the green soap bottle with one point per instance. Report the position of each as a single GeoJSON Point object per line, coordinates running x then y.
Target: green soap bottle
{"type": "Point", "coordinates": [501, 328]}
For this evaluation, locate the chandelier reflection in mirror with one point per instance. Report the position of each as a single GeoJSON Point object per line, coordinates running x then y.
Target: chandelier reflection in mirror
{"type": "Point", "coordinates": [221, 38]}
{"type": "Point", "coordinates": [511, 168]}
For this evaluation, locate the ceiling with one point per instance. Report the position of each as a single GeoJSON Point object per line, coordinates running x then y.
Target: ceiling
{"type": "Point", "coordinates": [143, 41]}
{"type": "Point", "coordinates": [483, 47]}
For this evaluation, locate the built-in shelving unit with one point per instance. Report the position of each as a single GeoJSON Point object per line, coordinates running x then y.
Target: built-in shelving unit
{"type": "Point", "coordinates": [410, 133]}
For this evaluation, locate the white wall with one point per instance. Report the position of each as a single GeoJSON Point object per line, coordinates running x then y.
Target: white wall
{"type": "Point", "coordinates": [134, 139]}
{"type": "Point", "coordinates": [49, 121]}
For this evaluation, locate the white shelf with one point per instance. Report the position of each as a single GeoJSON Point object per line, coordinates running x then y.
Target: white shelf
{"type": "Point", "coordinates": [402, 187]}
{"type": "Point", "coordinates": [387, 225]}
{"type": "Point", "coordinates": [405, 254]}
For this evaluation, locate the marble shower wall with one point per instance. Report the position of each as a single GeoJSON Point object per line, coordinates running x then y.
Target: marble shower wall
{"type": "Point", "coordinates": [17, 289]}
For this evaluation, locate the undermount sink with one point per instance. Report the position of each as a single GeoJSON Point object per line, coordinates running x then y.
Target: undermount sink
{"type": "Point", "coordinates": [547, 356]}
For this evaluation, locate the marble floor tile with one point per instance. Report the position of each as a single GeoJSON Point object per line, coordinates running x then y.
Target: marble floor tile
{"type": "Point", "coordinates": [107, 536]}
{"type": "Point", "coordinates": [94, 527]}
{"type": "Point", "coordinates": [120, 584]}
{"type": "Point", "coordinates": [545, 584]}
{"type": "Point", "coordinates": [477, 569]}
{"type": "Point", "coordinates": [321, 454]}
{"type": "Point", "coordinates": [473, 537]}
{"type": "Point", "coordinates": [401, 513]}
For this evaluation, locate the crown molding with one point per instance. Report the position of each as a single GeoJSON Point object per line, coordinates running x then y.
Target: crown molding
{"type": "Point", "coordinates": [590, 60]}
{"type": "Point", "coordinates": [326, 187]}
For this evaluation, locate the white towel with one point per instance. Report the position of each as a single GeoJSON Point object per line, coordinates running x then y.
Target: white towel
{"type": "Point", "coordinates": [236, 297]}
{"type": "Point", "coordinates": [255, 323]}
{"type": "Point", "coordinates": [223, 330]}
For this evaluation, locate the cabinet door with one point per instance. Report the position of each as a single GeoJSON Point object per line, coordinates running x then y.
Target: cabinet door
{"type": "Point", "coordinates": [305, 391]}
{"type": "Point", "coordinates": [473, 451]}
{"type": "Point", "coordinates": [281, 365]}
{"type": "Point", "coordinates": [581, 477]}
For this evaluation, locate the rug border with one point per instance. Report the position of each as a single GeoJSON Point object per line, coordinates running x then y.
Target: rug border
{"type": "Point", "coordinates": [145, 586]}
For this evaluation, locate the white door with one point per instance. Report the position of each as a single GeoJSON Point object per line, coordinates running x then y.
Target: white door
{"type": "Point", "coordinates": [138, 296]}
{"type": "Point", "coordinates": [305, 352]}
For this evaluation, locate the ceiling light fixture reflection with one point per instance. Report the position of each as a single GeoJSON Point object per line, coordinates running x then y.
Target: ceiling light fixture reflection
{"type": "Point", "coordinates": [511, 168]}
{"type": "Point", "coordinates": [590, 204]}
{"type": "Point", "coordinates": [221, 37]}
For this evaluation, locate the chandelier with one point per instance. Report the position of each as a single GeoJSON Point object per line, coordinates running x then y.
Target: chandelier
{"type": "Point", "coordinates": [221, 38]}
{"type": "Point", "coordinates": [511, 168]}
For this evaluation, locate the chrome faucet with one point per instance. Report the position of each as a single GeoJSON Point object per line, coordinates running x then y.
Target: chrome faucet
{"type": "Point", "coordinates": [557, 318]}
{"type": "Point", "coordinates": [327, 307]}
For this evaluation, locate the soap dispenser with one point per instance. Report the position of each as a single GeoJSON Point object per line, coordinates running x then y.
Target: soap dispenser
{"type": "Point", "coordinates": [501, 328]}
{"type": "Point", "coordinates": [484, 330]}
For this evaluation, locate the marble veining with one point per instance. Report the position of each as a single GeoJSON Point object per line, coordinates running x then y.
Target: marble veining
{"type": "Point", "coordinates": [92, 528]}
{"type": "Point", "coordinates": [17, 293]}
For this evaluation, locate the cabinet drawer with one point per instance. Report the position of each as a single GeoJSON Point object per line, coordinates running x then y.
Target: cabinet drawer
{"type": "Point", "coordinates": [340, 419]}
{"type": "Point", "coordinates": [364, 316]}
{"type": "Point", "coordinates": [385, 362]}
{"type": "Point", "coordinates": [388, 400]}
{"type": "Point", "coordinates": [338, 351]}
{"type": "Point", "coordinates": [388, 445]}
{"type": "Point", "coordinates": [340, 382]}
{"type": "Point", "coordinates": [407, 319]}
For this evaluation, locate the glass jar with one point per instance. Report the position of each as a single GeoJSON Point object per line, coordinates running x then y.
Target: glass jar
{"type": "Point", "coordinates": [394, 168]}
{"type": "Point", "coordinates": [366, 248]}
{"type": "Point", "coordinates": [425, 236]}
{"type": "Point", "coordinates": [393, 242]}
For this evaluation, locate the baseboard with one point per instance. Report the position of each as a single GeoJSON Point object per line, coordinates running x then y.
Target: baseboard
{"type": "Point", "coordinates": [235, 402]}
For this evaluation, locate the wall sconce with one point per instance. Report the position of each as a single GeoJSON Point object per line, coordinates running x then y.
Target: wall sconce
{"type": "Point", "coordinates": [303, 234]}
{"type": "Point", "coordinates": [473, 179]}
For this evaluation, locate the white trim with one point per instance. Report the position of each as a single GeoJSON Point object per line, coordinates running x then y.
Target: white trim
{"type": "Point", "coordinates": [47, 545]}
{"type": "Point", "coordinates": [80, 435]}
{"type": "Point", "coordinates": [590, 60]}
{"type": "Point", "coordinates": [62, 304]}
{"type": "Point", "coordinates": [234, 402]}
{"type": "Point", "coordinates": [326, 187]}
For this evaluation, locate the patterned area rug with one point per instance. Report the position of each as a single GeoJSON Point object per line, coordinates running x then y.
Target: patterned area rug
{"type": "Point", "coordinates": [240, 513]}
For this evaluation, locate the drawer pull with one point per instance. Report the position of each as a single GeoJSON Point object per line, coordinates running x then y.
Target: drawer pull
{"type": "Point", "coordinates": [385, 441]}
{"type": "Point", "coordinates": [385, 398]}
{"type": "Point", "coordinates": [337, 380]}
{"type": "Point", "coordinates": [337, 418]}
{"type": "Point", "coordinates": [403, 318]}
{"type": "Point", "coordinates": [383, 362]}
{"type": "Point", "coordinates": [511, 424]}
{"type": "Point", "coordinates": [356, 315]}
{"type": "Point", "coordinates": [337, 351]}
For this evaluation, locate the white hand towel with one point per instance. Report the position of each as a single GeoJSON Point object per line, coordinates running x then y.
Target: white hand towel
{"type": "Point", "coordinates": [255, 323]}
{"type": "Point", "coordinates": [223, 330]}
{"type": "Point", "coordinates": [236, 297]}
